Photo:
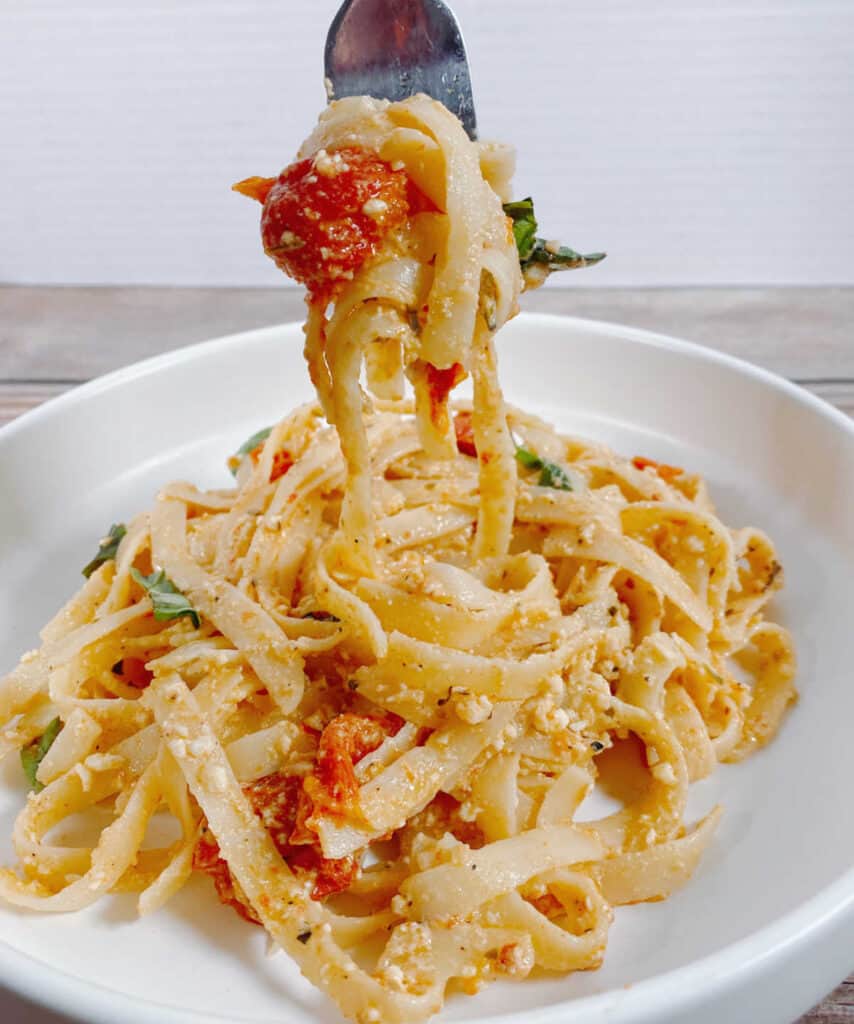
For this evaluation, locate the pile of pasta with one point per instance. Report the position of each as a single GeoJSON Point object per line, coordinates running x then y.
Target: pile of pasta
{"type": "Point", "coordinates": [373, 684]}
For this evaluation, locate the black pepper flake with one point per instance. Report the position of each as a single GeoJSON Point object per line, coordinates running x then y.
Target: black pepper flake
{"type": "Point", "coordinates": [352, 684]}
{"type": "Point", "coordinates": [118, 668]}
{"type": "Point", "coordinates": [473, 867]}
{"type": "Point", "coordinates": [303, 937]}
{"type": "Point", "coordinates": [596, 746]}
{"type": "Point", "coordinates": [612, 611]}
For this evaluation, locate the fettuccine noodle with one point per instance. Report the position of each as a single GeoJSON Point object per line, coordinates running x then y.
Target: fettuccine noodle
{"type": "Point", "coordinates": [373, 685]}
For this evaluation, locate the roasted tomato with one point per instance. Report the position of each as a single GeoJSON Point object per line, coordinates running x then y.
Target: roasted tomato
{"type": "Point", "coordinates": [282, 462]}
{"type": "Point", "coordinates": [276, 800]}
{"type": "Point", "coordinates": [206, 858]}
{"type": "Point", "coordinates": [285, 803]}
{"type": "Point", "coordinates": [326, 215]}
{"type": "Point", "coordinates": [440, 383]}
{"type": "Point", "coordinates": [668, 473]}
{"type": "Point", "coordinates": [465, 434]}
{"type": "Point", "coordinates": [332, 787]}
{"type": "Point", "coordinates": [133, 672]}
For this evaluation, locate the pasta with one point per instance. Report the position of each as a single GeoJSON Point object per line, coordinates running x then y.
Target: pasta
{"type": "Point", "coordinates": [374, 684]}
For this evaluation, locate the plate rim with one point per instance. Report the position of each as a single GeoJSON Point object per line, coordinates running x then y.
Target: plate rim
{"type": "Point", "coordinates": [642, 335]}
{"type": "Point", "coordinates": [679, 989]}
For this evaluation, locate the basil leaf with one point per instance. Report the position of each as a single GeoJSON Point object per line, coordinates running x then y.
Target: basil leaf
{"type": "Point", "coordinates": [249, 445]}
{"type": "Point", "coordinates": [107, 550]}
{"type": "Point", "coordinates": [535, 251]}
{"type": "Point", "coordinates": [521, 213]}
{"type": "Point", "coordinates": [33, 754]}
{"type": "Point", "coordinates": [528, 459]}
{"type": "Point", "coordinates": [167, 599]}
{"type": "Point", "coordinates": [551, 474]}
{"type": "Point", "coordinates": [563, 258]}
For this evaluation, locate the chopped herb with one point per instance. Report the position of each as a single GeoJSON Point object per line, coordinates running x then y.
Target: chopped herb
{"type": "Point", "coordinates": [303, 937]}
{"type": "Point", "coordinates": [551, 474]}
{"type": "Point", "coordinates": [537, 252]}
{"type": "Point", "coordinates": [33, 754]}
{"type": "Point", "coordinates": [107, 550]}
{"type": "Point", "coordinates": [321, 616]}
{"type": "Point", "coordinates": [167, 599]}
{"type": "Point", "coordinates": [528, 459]}
{"type": "Point", "coordinates": [521, 212]}
{"type": "Point", "coordinates": [249, 445]}
{"type": "Point", "coordinates": [561, 257]}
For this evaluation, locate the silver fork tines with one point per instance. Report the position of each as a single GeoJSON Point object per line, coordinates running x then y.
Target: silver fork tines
{"type": "Point", "coordinates": [391, 49]}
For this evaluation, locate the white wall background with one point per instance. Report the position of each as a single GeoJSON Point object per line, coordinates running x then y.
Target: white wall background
{"type": "Point", "coordinates": [697, 142]}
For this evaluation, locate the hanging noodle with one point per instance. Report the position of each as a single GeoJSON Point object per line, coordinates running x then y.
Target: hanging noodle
{"type": "Point", "coordinates": [377, 680]}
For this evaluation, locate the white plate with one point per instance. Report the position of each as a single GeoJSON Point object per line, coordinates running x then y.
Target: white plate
{"type": "Point", "coordinates": [766, 926]}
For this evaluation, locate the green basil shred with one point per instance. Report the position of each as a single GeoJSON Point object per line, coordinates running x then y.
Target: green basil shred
{"type": "Point", "coordinates": [167, 599]}
{"type": "Point", "coordinates": [534, 250]}
{"type": "Point", "coordinates": [107, 549]}
{"type": "Point", "coordinates": [33, 754]}
{"type": "Point", "coordinates": [249, 445]}
{"type": "Point", "coordinates": [551, 474]}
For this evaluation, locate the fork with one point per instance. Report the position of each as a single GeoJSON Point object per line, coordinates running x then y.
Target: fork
{"type": "Point", "coordinates": [391, 49]}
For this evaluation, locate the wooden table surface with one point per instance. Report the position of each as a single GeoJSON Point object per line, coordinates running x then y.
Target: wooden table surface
{"type": "Point", "coordinates": [54, 338]}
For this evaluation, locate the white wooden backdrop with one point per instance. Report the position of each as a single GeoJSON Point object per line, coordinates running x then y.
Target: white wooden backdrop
{"type": "Point", "coordinates": [699, 142]}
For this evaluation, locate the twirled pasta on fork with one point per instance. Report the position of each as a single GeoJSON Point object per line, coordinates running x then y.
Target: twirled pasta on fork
{"type": "Point", "coordinates": [375, 681]}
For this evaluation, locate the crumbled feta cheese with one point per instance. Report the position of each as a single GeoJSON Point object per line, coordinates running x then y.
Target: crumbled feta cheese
{"type": "Point", "coordinates": [85, 776]}
{"type": "Point", "coordinates": [374, 208]}
{"type": "Point", "coordinates": [547, 716]}
{"type": "Point", "coordinates": [200, 747]}
{"type": "Point", "coordinates": [288, 240]}
{"type": "Point", "coordinates": [393, 976]}
{"type": "Point", "coordinates": [329, 164]}
{"type": "Point", "coordinates": [468, 811]}
{"type": "Point", "coordinates": [664, 773]}
{"type": "Point", "coordinates": [104, 762]}
{"type": "Point", "coordinates": [473, 708]}
{"type": "Point", "coordinates": [216, 777]}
